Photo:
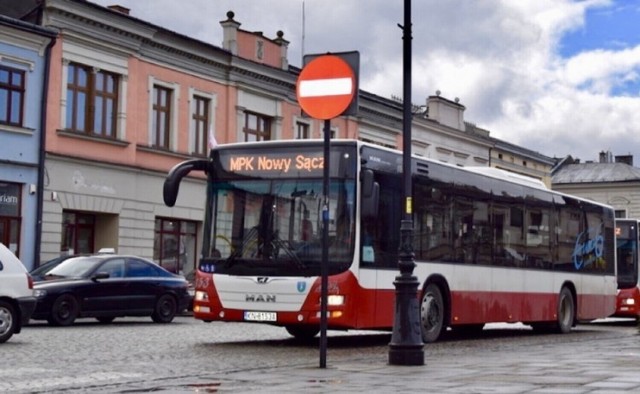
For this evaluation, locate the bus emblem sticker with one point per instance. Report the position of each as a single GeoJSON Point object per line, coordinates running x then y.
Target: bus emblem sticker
{"type": "Point", "coordinates": [302, 286]}
{"type": "Point", "coordinates": [588, 250]}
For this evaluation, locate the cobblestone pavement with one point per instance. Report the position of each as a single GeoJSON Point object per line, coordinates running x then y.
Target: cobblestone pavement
{"type": "Point", "coordinates": [136, 356]}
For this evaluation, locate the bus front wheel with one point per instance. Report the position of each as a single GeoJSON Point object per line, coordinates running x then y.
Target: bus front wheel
{"type": "Point", "coordinates": [432, 314]}
{"type": "Point", "coordinates": [303, 333]}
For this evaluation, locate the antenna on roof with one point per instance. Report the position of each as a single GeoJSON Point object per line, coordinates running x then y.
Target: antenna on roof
{"type": "Point", "coordinates": [302, 49]}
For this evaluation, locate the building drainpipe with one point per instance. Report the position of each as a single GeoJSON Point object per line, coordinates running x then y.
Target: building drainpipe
{"type": "Point", "coordinates": [42, 152]}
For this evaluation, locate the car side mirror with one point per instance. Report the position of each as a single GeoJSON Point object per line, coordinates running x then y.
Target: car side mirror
{"type": "Point", "coordinates": [100, 275]}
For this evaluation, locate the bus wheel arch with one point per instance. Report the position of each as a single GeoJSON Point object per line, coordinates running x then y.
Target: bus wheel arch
{"type": "Point", "coordinates": [435, 308]}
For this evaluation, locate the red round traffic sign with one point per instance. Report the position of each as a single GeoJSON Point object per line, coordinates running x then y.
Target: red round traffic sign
{"type": "Point", "coordinates": [326, 87]}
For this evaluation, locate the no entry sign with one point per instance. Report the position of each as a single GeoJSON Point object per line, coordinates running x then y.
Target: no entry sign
{"type": "Point", "coordinates": [326, 87]}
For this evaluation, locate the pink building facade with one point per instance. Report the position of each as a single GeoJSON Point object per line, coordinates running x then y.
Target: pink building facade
{"type": "Point", "coordinates": [128, 103]}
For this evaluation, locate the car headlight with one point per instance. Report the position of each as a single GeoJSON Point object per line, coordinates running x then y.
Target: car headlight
{"type": "Point", "coordinates": [38, 293]}
{"type": "Point", "coordinates": [628, 301]}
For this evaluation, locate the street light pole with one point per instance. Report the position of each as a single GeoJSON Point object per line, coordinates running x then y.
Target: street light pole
{"type": "Point", "coordinates": [406, 347]}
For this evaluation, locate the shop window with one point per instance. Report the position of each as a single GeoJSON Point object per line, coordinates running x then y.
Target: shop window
{"type": "Point", "coordinates": [78, 231]}
{"type": "Point", "coordinates": [10, 219]}
{"type": "Point", "coordinates": [175, 245]}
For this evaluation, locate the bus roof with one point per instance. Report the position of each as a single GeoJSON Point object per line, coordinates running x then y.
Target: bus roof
{"type": "Point", "coordinates": [491, 172]}
{"type": "Point", "coordinates": [504, 174]}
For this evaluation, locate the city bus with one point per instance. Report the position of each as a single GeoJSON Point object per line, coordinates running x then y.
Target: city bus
{"type": "Point", "coordinates": [488, 247]}
{"type": "Point", "coordinates": [628, 301]}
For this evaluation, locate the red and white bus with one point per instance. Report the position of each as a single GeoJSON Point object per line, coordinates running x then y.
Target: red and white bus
{"type": "Point", "coordinates": [628, 303]}
{"type": "Point", "coordinates": [488, 248]}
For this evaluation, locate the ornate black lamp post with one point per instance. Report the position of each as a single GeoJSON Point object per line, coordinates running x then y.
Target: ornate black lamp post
{"type": "Point", "coordinates": [406, 347]}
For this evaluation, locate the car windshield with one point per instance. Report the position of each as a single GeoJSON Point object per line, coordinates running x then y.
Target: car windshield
{"type": "Point", "coordinates": [47, 266]}
{"type": "Point", "coordinates": [75, 267]}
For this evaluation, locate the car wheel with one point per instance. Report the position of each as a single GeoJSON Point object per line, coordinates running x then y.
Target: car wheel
{"type": "Point", "coordinates": [65, 310]}
{"type": "Point", "coordinates": [105, 319]}
{"type": "Point", "coordinates": [8, 321]}
{"type": "Point", "coordinates": [165, 310]}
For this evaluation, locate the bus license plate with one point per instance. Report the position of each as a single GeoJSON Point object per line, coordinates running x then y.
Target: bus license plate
{"type": "Point", "coordinates": [260, 316]}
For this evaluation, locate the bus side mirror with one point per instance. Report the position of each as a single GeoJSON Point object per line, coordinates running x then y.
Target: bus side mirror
{"type": "Point", "coordinates": [172, 182]}
{"type": "Point", "coordinates": [370, 195]}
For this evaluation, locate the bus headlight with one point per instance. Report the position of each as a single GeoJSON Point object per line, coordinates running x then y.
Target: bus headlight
{"type": "Point", "coordinates": [201, 296]}
{"type": "Point", "coordinates": [628, 301]}
{"type": "Point", "coordinates": [335, 300]}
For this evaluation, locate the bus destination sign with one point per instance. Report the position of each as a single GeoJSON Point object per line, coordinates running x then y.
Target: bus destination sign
{"type": "Point", "coordinates": [274, 164]}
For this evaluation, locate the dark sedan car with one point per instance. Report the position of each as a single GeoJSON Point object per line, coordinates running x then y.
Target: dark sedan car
{"type": "Point", "coordinates": [109, 286]}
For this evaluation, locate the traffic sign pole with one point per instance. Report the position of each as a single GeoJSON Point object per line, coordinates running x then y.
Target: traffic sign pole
{"type": "Point", "coordinates": [325, 89]}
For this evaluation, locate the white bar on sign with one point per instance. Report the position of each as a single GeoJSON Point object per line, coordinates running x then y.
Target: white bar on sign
{"type": "Point", "coordinates": [325, 87]}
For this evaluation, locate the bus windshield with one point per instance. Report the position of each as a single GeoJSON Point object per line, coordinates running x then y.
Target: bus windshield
{"type": "Point", "coordinates": [273, 227]}
{"type": "Point", "coordinates": [627, 253]}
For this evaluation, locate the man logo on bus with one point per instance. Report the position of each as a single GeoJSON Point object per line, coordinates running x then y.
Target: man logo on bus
{"type": "Point", "coordinates": [588, 250]}
{"type": "Point", "coordinates": [301, 286]}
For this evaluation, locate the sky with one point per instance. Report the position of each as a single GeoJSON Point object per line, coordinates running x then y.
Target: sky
{"type": "Point", "coordinates": [558, 77]}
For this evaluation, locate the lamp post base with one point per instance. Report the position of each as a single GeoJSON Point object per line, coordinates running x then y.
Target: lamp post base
{"type": "Point", "coordinates": [406, 347]}
{"type": "Point", "coordinates": [406, 355]}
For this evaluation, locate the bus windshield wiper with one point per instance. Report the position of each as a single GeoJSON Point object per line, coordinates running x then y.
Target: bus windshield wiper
{"type": "Point", "coordinates": [279, 244]}
{"type": "Point", "coordinates": [238, 252]}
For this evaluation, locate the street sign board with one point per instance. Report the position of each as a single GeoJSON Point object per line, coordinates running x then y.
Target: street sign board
{"type": "Point", "coordinates": [326, 87]}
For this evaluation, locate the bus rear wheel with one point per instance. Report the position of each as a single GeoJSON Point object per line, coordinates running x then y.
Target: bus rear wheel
{"type": "Point", "coordinates": [566, 311]}
{"type": "Point", "coordinates": [432, 314]}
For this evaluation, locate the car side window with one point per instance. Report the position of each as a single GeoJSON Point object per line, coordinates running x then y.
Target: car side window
{"type": "Point", "coordinates": [115, 268]}
{"type": "Point", "coordinates": [137, 269]}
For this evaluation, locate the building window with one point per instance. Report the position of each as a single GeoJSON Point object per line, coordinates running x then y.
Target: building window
{"type": "Point", "coordinates": [161, 120]}
{"type": "Point", "coordinates": [256, 127]}
{"type": "Point", "coordinates": [92, 101]}
{"type": "Point", "coordinates": [302, 131]}
{"type": "Point", "coordinates": [10, 215]}
{"type": "Point", "coordinates": [175, 245]}
{"type": "Point", "coordinates": [199, 121]}
{"type": "Point", "coordinates": [78, 231]}
{"type": "Point", "coordinates": [11, 96]}
{"type": "Point", "coordinates": [620, 213]}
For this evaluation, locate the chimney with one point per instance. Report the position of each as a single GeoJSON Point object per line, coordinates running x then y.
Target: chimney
{"type": "Point", "coordinates": [626, 159]}
{"type": "Point", "coordinates": [446, 112]}
{"type": "Point", "coordinates": [605, 157]}
{"type": "Point", "coordinates": [284, 45]}
{"type": "Point", "coordinates": [119, 8]}
{"type": "Point", "coordinates": [230, 33]}
{"type": "Point", "coordinates": [602, 157]}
